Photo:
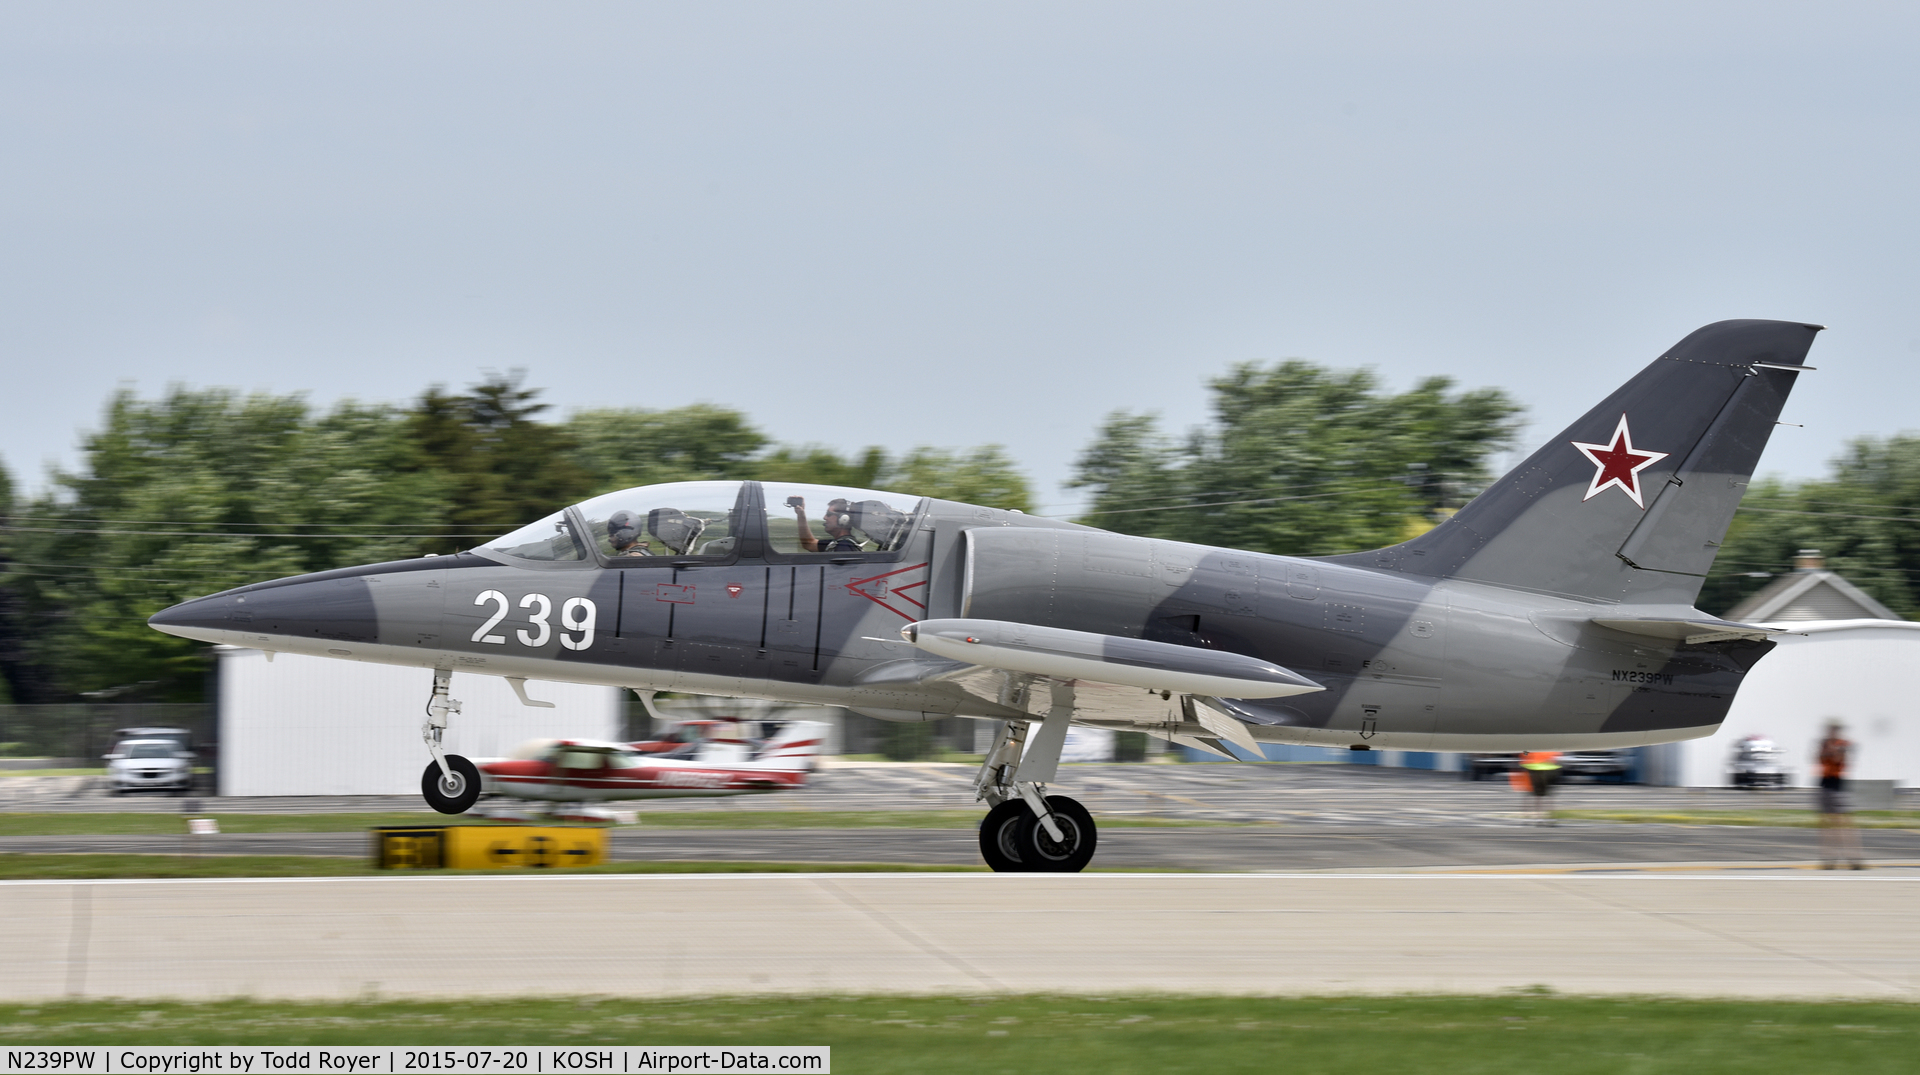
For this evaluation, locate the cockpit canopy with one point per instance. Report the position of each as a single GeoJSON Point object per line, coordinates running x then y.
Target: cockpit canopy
{"type": "Point", "coordinates": [658, 524]}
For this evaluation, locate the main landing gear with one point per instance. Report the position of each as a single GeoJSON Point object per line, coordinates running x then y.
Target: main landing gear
{"type": "Point", "coordinates": [451, 783]}
{"type": "Point", "coordinates": [1027, 830]}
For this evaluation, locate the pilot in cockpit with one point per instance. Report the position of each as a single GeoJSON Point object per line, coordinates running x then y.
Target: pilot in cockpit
{"type": "Point", "coordinates": [623, 533]}
{"type": "Point", "coordinates": [838, 523]}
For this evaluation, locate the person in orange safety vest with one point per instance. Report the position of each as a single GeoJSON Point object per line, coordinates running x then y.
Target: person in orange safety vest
{"type": "Point", "coordinates": [1538, 771]}
{"type": "Point", "coordinates": [1839, 840]}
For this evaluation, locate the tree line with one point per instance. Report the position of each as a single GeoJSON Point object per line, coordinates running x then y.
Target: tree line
{"type": "Point", "coordinates": [200, 490]}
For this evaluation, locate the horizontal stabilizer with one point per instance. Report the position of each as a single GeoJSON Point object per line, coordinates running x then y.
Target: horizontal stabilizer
{"type": "Point", "coordinates": [1128, 662]}
{"type": "Point", "coordinates": [1692, 631]}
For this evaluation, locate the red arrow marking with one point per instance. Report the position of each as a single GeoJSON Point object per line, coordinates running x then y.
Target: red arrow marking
{"type": "Point", "coordinates": [886, 590]}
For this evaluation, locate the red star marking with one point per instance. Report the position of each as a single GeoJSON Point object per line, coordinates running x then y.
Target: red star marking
{"type": "Point", "coordinates": [1618, 465]}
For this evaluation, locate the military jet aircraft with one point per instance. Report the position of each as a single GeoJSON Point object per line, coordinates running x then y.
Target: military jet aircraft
{"type": "Point", "coordinates": [1552, 612]}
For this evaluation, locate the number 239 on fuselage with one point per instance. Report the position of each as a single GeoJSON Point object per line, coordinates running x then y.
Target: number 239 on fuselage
{"type": "Point", "coordinates": [1554, 611]}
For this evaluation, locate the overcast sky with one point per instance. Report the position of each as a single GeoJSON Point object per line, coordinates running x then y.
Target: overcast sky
{"type": "Point", "coordinates": [949, 223]}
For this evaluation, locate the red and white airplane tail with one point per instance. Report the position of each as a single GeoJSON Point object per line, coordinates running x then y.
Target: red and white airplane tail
{"type": "Point", "coordinates": [795, 746]}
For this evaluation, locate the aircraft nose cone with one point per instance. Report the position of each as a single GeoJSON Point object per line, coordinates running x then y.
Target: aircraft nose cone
{"type": "Point", "coordinates": [191, 619]}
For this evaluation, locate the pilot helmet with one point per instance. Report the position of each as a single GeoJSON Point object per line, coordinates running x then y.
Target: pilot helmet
{"type": "Point", "coordinates": [623, 529]}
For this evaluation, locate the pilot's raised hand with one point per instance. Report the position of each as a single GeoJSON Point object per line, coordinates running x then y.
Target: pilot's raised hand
{"type": "Point", "coordinates": [807, 541]}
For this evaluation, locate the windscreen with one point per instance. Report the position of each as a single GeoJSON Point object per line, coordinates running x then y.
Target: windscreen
{"type": "Point", "coordinates": [549, 539]}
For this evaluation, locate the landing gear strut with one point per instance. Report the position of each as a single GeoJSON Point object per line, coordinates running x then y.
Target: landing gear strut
{"type": "Point", "coordinates": [451, 783]}
{"type": "Point", "coordinates": [1027, 830]}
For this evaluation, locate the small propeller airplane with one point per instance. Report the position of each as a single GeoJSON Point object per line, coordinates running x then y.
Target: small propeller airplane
{"type": "Point", "coordinates": [565, 772]}
{"type": "Point", "coordinates": [1555, 611]}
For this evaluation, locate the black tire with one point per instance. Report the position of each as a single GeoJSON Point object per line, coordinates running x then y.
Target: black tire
{"type": "Point", "coordinates": [1000, 836]}
{"type": "Point", "coordinates": [454, 797]}
{"type": "Point", "coordinates": [1040, 853]}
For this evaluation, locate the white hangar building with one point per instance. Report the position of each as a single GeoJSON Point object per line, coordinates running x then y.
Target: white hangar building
{"type": "Point", "coordinates": [1859, 672]}
{"type": "Point", "coordinates": [1846, 657]}
{"type": "Point", "coordinates": [301, 725]}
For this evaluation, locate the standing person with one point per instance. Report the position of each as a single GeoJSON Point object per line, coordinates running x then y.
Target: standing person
{"type": "Point", "coordinates": [1542, 768]}
{"type": "Point", "coordinates": [1838, 838]}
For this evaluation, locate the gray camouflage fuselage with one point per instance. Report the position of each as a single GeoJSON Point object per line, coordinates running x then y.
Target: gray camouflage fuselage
{"type": "Point", "coordinates": [1480, 635]}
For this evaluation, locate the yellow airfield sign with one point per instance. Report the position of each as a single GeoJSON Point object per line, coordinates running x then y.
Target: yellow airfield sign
{"type": "Point", "coordinates": [486, 847]}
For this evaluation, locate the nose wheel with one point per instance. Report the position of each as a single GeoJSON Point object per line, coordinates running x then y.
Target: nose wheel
{"type": "Point", "coordinates": [453, 791]}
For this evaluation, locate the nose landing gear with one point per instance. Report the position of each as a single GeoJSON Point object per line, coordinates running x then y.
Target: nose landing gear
{"type": "Point", "coordinates": [451, 783]}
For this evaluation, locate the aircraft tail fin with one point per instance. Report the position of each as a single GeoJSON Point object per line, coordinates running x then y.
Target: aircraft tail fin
{"type": "Point", "coordinates": [1631, 502]}
{"type": "Point", "coordinates": [795, 746]}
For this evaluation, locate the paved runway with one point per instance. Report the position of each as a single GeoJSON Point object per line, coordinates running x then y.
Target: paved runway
{"type": "Point", "coordinates": [1819, 935]}
{"type": "Point", "coordinates": [1220, 849]}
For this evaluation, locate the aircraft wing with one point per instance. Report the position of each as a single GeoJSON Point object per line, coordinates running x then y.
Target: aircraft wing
{"type": "Point", "coordinates": [1124, 662]}
{"type": "Point", "coordinates": [1157, 687]}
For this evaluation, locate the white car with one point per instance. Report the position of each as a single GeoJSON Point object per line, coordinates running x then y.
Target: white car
{"type": "Point", "coordinates": [149, 763]}
{"type": "Point", "coordinates": [1758, 762]}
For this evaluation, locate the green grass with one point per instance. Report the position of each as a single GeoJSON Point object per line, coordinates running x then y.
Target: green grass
{"type": "Point", "coordinates": [148, 824]}
{"type": "Point", "coordinates": [102, 867]}
{"type": "Point", "coordinates": [87, 867]}
{"type": "Point", "coordinates": [1065, 1035]}
{"type": "Point", "coordinates": [1800, 819]}
{"type": "Point", "coordinates": [144, 824]}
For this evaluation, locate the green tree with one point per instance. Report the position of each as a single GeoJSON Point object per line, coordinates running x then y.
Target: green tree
{"type": "Point", "coordinates": [983, 476]}
{"type": "Point", "coordinates": [1864, 518]}
{"type": "Point", "coordinates": [1298, 459]}
{"type": "Point", "coordinates": [500, 466]}
{"type": "Point", "coordinates": [194, 493]}
{"type": "Point", "coordinates": [203, 490]}
{"type": "Point", "coordinates": [14, 668]}
{"type": "Point", "coordinates": [621, 448]}
{"type": "Point", "coordinates": [819, 465]}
